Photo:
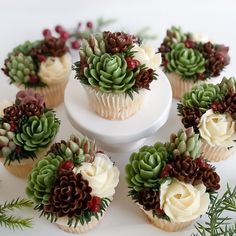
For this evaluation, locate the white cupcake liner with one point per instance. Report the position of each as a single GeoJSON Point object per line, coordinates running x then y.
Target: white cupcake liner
{"type": "Point", "coordinates": [216, 153]}
{"type": "Point", "coordinates": [114, 106]}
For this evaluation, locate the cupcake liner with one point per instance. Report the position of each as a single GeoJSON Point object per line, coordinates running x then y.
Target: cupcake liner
{"type": "Point", "coordinates": [114, 106]}
{"type": "Point", "coordinates": [216, 153]}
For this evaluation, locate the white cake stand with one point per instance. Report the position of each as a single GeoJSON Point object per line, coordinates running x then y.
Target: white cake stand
{"type": "Point", "coordinates": [120, 136]}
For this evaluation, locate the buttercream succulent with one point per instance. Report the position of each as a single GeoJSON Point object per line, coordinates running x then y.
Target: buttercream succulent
{"type": "Point", "coordinates": [228, 84]}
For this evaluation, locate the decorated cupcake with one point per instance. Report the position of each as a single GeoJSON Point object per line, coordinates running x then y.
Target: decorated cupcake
{"type": "Point", "coordinates": [43, 65]}
{"type": "Point", "coordinates": [188, 59]}
{"type": "Point", "coordinates": [172, 182]}
{"type": "Point", "coordinates": [73, 185]}
{"type": "Point", "coordinates": [116, 71]}
{"type": "Point", "coordinates": [27, 128]}
{"type": "Point", "coordinates": [211, 111]}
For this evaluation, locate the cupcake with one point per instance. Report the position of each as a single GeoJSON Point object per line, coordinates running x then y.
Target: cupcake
{"type": "Point", "coordinates": [188, 59]}
{"type": "Point", "coordinates": [172, 182]}
{"type": "Point", "coordinates": [73, 185]}
{"type": "Point", "coordinates": [43, 65]}
{"type": "Point", "coordinates": [211, 110]}
{"type": "Point", "coordinates": [27, 128]}
{"type": "Point", "coordinates": [116, 71]}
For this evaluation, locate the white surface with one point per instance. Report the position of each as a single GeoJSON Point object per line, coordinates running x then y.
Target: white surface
{"type": "Point", "coordinates": [21, 20]}
{"type": "Point", "coordinates": [144, 123]}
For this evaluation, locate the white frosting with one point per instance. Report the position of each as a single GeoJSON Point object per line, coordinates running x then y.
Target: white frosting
{"type": "Point", "coordinates": [217, 129]}
{"type": "Point", "coordinates": [183, 202]}
{"type": "Point", "coordinates": [201, 38]}
{"type": "Point", "coordinates": [3, 105]}
{"type": "Point", "coordinates": [55, 69]}
{"type": "Point", "coordinates": [146, 55]}
{"type": "Point", "coordinates": [101, 174]}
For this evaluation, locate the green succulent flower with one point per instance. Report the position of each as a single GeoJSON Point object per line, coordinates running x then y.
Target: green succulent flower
{"type": "Point", "coordinates": [26, 47]}
{"type": "Point", "coordinates": [227, 85]}
{"type": "Point", "coordinates": [144, 167]}
{"type": "Point", "coordinates": [174, 35]}
{"type": "Point", "coordinates": [37, 131]}
{"type": "Point", "coordinates": [109, 73]}
{"type": "Point", "coordinates": [186, 62]}
{"type": "Point", "coordinates": [202, 96]}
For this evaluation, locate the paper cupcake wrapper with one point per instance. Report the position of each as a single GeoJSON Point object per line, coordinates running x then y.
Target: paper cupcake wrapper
{"type": "Point", "coordinates": [114, 106]}
{"type": "Point", "coordinates": [216, 153]}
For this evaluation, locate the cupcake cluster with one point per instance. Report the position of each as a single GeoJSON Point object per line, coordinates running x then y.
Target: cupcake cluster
{"type": "Point", "coordinates": [187, 60]}
{"type": "Point", "coordinates": [172, 182]}
{"type": "Point", "coordinates": [211, 110]}
{"type": "Point", "coordinates": [73, 185]}
{"type": "Point", "coordinates": [112, 66]}
{"type": "Point", "coordinates": [27, 128]}
{"type": "Point", "coordinates": [43, 65]}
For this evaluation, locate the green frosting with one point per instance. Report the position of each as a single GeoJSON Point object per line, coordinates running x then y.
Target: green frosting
{"type": "Point", "coordinates": [26, 47]}
{"type": "Point", "coordinates": [21, 67]}
{"type": "Point", "coordinates": [227, 85]}
{"type": "Point", "coordinates": [37, 131]}
{"type": "Point", "coordinates": [185, 62]}
{"type": "Point", "coordinates": [109, 73]}
{"type": "Point", "coordinates": [145, 167]}
{"type": "Point", "coordinates": [42, 178]}
{"type": "Point", "coordinates": [185, 143]}
{"type": "Point", "coordinates": [202, 96]}
{"type": "Point", "coordinates": [175, 35]}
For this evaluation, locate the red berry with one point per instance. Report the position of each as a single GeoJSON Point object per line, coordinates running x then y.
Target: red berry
{"type": "Point", "coordinates": [200, 76]}
{"type": "Point", "coordinates": [95, 204]}
{"type": "Point", "coordinates": [159, 212]}
{"type": "Point", "coordinates": [189, 43]}
{"type": "Point", "coordinates": [33, 79]}
{"type": "Point", "coordinates": [132, 63]}
{"type": "Point", "coordinates": [166, 170]}
{"type": "Point", "coordinates": [67, 165]}
{"type": "Point", "coordinates": [64, 35]}
{"type": "Point", "coordinates": [47, 33]}
{"type": "Point", "coordinates": [41, 58]}
{"type": "Point", "coordinates": [90, 24]}
{"type": "Point", "coordinates": [75, 44]}
{"type": "Point", "coordinates": [137, 62]}
{"type": "Point", "coordinates": [59, 29]}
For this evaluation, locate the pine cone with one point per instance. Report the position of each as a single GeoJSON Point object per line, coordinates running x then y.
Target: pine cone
{"type": "Point", "coordinates": [218, 106]}
{"type": "Point", "coordinates": [211, 180]}
{"type": "Point", "coordinates": [70, 195]}
{"type": "Point", "coordinates": [230, 104]}
{"type": "Point", "coordinates": [185, 169]}
{"type": "Point", "coordinates": [208, 50]}
{"type": "Point", "coordinates": [144, 78]}
{"type": "Point", "coordinates": [32, 109]}
{"type": "Point", "coordinates": [118, 42]}
{"type": "Point", "coordinates": [149, 199]}
{"type": "Point", "coordinates": [215, 64]}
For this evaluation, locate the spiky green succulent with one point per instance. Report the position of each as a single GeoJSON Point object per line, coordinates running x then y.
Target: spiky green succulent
{"type": "Point", "coordinates": [184, 143]}
{"type": "Point", "coordinates": [202, 96]}
{"type": "Point", "coordinates": [26, 47]}
{"type": "Point", "coordinates": [174, 35]}
{"type": "Point", "coordinates": [37, 131]}
{"type": "Point", "coordinates": [227, 85]}
{"type": "Point", "coordinates": [186, 62]}
{"type": "Point", "coordinates": [145, 166]}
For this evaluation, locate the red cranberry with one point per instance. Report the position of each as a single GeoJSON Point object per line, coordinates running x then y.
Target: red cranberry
{"type": "Point", "coordinates": [67, 165]}
{"type": "Point", "coordinates": [47, 33]}
{"type": "Point", "coordinates": [189, 43]}
{"type": "Point", "coordinates": [89, 24]}
{"type": "Point", "coordinates": [95, 204]}
{"type": "Point", "coordinates": [33, 79]}
{"type": "Point", "coordinates": [132, 63]}
{"type": "Point", "coordinates": [59, 29]}
{"type": "Point", "coordinates": [41, 58]}
{"type": "Point", "coordinates": [166, 170]}
{"type": "Point", "coordinates": [64, 35]}
{"type": "Point", "coordinates": [75, 44]}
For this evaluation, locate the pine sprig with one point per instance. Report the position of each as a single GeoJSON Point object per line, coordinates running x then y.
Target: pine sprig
{"type": "Point", "coordinates": [14, 222]}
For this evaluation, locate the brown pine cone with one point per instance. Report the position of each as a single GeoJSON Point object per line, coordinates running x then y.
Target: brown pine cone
{"type": "Point", "coordinates": [70, 195]}
{"type": "Point", "coordinates": [215, 64]}
{"type": "Point", "coordinates": [163, 49]}
{"type": "Point", "coordinates": [185, 169]}
{"type": "Point", "coordinates": [149, 199]}
{"type": "Point", "coordinates": [144, 78]}
{"type": "Point", "coordinates": [211, 180]}
{"type": "Point", "coordinates": [32, 109]}
{"type": "Point", "coordinates": [118, 41]}
{"type": "Point", "coordinates": [230, 104]}
{"type": "Point", "coordinates": [13, 113]}
{"type": "Point", "coordinates": [208, 50]}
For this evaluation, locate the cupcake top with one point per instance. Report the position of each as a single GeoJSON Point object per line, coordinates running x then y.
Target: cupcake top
{"type": "Point", "coordinates": [191, 57]}
{"type": "Point", "coordinates": [74, 180]}
{"type": "Point", "coordinates": [26, 126]}
{"type": "Point", "coordinates": [172, 180]}
{"type": "Point", "coordinates": [39, 63]}
{"type": "Point", "coordinates": [116, 63]}
{"type": "Point", "coordinates": [211, 110]}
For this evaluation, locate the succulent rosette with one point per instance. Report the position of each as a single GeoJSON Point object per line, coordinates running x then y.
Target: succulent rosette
{"type": "Point", "coordinates": [188, 59]}
{"type": "Point", "coordinates": [172, 182]}
{"type": "Point", "coordinates": [43, 65]}
{"type": "Point", "coordinates": [73, 184]}
{"type": "Point", "coordinates": [27, 128]}
{"type": "Point", "coordinates": [112, 66]}
{"type": "Point", "coordinates": [211, 110]}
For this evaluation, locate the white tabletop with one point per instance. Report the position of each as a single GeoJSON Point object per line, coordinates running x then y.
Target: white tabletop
{"type": "Point", "coordinates": [22, 20]}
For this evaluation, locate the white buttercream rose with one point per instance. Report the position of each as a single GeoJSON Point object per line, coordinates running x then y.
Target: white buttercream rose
{"type": "Point", "coordinates": [101, 174]}
{"type": "Point", "coordinates": [55, 69]}
{"type": "Point", "coordinates": [183, 202]}
{"type": "Point", "coordinates": [217, 129]}
{"type": "Point", "coordinates": [146, 55]}
{"type": "Point", "coordinates": [3, 105]}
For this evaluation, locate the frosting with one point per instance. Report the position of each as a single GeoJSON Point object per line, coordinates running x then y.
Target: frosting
{"type": "Point", "coordinates": [102, 176]}
{"type": "Point", "coordinates": [217, 129]}
{"type": "Point", "coordinates": [55, 69]}
{"type": "Point", "coordinates": [183, 202]}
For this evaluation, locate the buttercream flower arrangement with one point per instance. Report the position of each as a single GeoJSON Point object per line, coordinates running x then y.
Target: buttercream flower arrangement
{"type": "Point", "coordinates": [73, 185]}
{"type": "Point", "coordinates": [211, 110]}
{"type": "Point", "coordinates": [116, 71]}
{"type": "Point", "coordinates": [172, 182]}
{"type": "Point", "coordinates": [43, 65]}
{"type": "Point", "coordinates": [188, 59]}
{"type": "Point", "coordinates": [27, 128]}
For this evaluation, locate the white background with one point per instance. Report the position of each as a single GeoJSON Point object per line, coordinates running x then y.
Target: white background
{"type": "Point", "coordinates": [24, 20]}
